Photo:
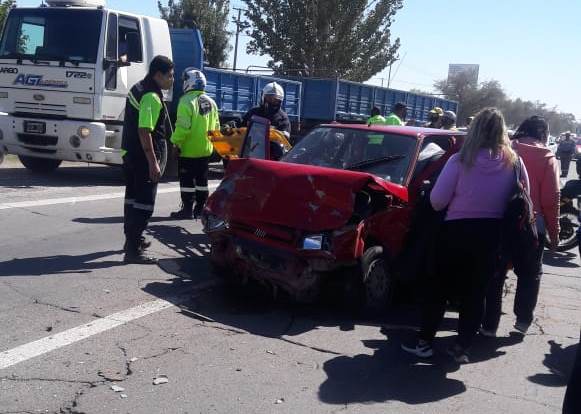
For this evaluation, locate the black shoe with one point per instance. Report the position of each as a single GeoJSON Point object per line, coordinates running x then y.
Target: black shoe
{"type": "Point", "coordinates": [139, 258]}
{"type": "Point", "coordinates": [183, 214]}
{"type": "Point", "coordinates": [143, 245]}
{"type": "Point", "coordinates": [459, 354]}
{"type": "Point", "coordinates": [198, 211]}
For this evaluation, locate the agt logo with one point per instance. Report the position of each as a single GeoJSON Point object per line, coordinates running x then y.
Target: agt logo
{"type": "Point", "coordinates": [38, 80]}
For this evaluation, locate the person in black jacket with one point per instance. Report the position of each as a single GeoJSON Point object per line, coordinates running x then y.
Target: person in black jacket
{"type": "Point", "coordinates": [271, 109]}
{"type": "Point", "coordinates": [143, 135]}
{"type": "Point", "coordinates": [572, 403]}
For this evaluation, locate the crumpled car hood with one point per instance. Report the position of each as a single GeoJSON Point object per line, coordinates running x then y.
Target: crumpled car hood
{"type": "Point", "coordinates": [303, 197]}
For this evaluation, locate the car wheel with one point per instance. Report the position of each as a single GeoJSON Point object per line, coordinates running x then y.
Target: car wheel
{"type": "Point", "coordinates": [377, 281]}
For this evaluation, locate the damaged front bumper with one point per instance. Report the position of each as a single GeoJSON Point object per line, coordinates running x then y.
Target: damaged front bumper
{"type": "Point", "coordinates": [297, 272]}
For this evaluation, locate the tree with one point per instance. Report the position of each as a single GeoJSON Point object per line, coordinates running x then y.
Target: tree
{"type": "Point", "coordinates": [472, 98]}
{"type": "Point", "coordinates": [210, 16]}
{"type": "Point", "coordinates": [350, 39]}
{"type": "Point", "coordinates": [5, 6]}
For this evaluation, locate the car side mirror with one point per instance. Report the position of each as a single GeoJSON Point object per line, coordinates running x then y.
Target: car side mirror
{"type": "Point", "coordinates": [133, 47]}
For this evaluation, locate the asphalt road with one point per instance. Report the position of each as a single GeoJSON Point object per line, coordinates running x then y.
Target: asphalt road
{"type": "Point", "coordinates": [77, 323]}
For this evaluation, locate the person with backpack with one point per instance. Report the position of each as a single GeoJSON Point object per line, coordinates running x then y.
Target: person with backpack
{"type": "Point", "coordinates": [529, 142]}
{"type": "Point", "coordinates": [475, 187]}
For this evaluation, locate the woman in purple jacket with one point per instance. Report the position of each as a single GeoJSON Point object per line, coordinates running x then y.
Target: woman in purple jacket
{"type": "Point", "coordinates": [474, 187]}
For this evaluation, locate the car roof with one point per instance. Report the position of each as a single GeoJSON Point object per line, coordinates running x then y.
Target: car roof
{"type": "Point", "coordinates": [400, 130]}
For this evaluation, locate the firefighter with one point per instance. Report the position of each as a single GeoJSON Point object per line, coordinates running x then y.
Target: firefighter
{"type": "Point", "coordinates": [435, 118]}
{"type": "Point", "coordinates": [143, 135]}
{"type": "Point", "coordinates": [271, 109]}
{"type": "Point", "coordinates": [449, 121]}
{"type": "Point", "coordinates": [197, 115]}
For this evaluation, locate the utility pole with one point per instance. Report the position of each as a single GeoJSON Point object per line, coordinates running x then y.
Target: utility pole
{"type": "Point", "coordinates": [238, 25]}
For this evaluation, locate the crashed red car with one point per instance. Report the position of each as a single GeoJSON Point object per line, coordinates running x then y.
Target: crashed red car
{"type": "Point", "coordinates": [339, 204]}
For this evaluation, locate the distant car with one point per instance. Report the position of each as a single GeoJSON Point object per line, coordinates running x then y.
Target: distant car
{"type": "Point", "coordinates": [338, 207]}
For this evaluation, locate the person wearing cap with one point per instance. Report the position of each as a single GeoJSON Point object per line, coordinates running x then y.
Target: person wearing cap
{"type": "Point", "coordinates": [197, 115]}
{"type": "Point", "coordinates": [397, 116]}
{"type": "Point", "coordinates": [435, 118]}
{"type": "Point", "coordinates": [271, 109]}
{"type": "Point", "coordinates": [376, 118]}
{"type": "Point", "coordinates": [449, 121]}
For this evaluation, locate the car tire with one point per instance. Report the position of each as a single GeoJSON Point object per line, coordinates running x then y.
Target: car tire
{"type": "Point", "coordinates": [378, 284]}
{"type": "Point", "coordinates": [39, 165]}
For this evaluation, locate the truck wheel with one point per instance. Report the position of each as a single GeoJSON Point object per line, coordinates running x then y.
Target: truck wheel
{"type": "Point", "coordinates": [39, 165]}
{"type": "Point", "coordinates": [378, 283]}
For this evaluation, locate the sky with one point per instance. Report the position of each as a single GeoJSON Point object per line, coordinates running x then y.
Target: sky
{"type": "Point", "coordinates": [530, 46]}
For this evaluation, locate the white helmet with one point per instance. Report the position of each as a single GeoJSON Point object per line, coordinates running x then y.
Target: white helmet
{"type": "Point", "coordinates": [194, 80]}
{"type": "Point", "coordinates": [273, 89]}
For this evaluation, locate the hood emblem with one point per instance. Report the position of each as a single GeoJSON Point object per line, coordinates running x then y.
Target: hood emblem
{"type": "Point", "coordinates": [38, 97]}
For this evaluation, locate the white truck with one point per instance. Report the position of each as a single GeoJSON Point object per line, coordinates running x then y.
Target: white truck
{"type": "Point", "coordinates": [65, 71]}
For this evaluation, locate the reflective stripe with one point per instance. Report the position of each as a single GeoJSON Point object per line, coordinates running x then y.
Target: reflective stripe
{"type": "Point", "coordinates": [187, 189]}
{"type": "Point", "coordinates": [146, 207]}
{"type": "Point", "coordinates": [129, 201]}
{"type": "Point", "coordinates": [202, 188]}
{"type": "Point", "coordinates": [133, 101]}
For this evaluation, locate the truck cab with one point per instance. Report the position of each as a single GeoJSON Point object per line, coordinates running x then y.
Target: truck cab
{"type": "Point", "coordinates": [65, 71]}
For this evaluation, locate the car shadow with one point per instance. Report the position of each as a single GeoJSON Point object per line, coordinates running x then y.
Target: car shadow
{"type": "Point", "coordinates": [560, 363]}
{"type": "Point", "coordinates": [560, 259]}
{"type": "Point", "coordinates": [389, 374]}
{"type": "Point", "coordinates": [60, 264]}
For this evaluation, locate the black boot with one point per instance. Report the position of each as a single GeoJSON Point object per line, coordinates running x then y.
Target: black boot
{"type": "Point", "coordinates": [143, 245]}
{"type": "Point", "coordinates": [134, 254]}
{"type": "Point", "coordinates": [198, 210]}
{"type": "Point", "coordinates": [184, 214]}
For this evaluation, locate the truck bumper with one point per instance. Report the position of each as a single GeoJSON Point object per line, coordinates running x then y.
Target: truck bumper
{"type": "Point", "coordinates": [61, 140]}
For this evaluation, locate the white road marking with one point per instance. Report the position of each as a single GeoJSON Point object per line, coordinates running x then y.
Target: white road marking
{"type": "Point", "coordinates": [53, 342]}
{"type": "Point", "coordinates": [74, 200]}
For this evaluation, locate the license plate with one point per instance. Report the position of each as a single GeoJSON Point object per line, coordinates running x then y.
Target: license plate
{"type": "Point", "coordinates": [33, 127]}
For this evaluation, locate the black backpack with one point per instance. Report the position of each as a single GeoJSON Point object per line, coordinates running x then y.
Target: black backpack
{"type": "Point", "coordinates": [520, 240]}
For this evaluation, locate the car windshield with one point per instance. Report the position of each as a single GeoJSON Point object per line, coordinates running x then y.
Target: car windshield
{"type": "Point", "coordinates": [52, 34]}
{"type": "Point", "coordinates": [380, 153]}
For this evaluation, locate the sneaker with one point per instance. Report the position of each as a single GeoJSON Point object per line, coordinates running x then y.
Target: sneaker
{"type": "Point", "coordinates": [139, 258]}
{"type": "Point", "coordinates": [183, 214]}
{"type": "Point", "coordinates": [489, 333]}
{"type": "Point", "coordinates": [459, 354]}
{"type": "Point", "coordinates": [522, 327]}
{"type": "Point", "coordinates": [421, 348]}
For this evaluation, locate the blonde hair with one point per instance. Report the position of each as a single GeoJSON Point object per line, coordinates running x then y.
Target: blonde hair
{"type": "Point", "coordinates": [487, 131]}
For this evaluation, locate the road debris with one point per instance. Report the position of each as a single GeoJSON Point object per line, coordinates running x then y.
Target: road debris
{"type": "Point", "coordinates": [162, 379]}
{"type": "Point", "coordinates": [111, 375]}
{"type": "Point", "coordinates": [117, 388]}
{"type": "Point", "coordinates": [279, 401]}
{"type": "Point", "coordinates": [123, 395]}
{"type": "Point", "coordinates": [133, 359]}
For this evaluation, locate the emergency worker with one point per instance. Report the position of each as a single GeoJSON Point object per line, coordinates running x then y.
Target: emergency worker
{"type": "Point", "coordinates": [197, 115]}
{"type": "Point", "coordinates": [271, 109]}
{"type": "Point", "coordinates": [143, 135]}
{"type": "Point", "coordinates": [376, 117]}
{"type": "Point", "coordinates": [398, 115]}
{"type": "Point", "coordinates": [435, 118]}
{"type": "Point", "coordinates": [449, 121]}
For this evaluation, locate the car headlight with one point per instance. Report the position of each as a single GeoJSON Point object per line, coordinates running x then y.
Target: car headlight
{"type": "Point", "coordinates": [314, 242]}
{"type": "Point", "coordinates": [213, 223]}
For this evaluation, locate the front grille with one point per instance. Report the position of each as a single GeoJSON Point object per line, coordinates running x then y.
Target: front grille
{"type": "Point", "coordinates": [40, 108]}
{"type": "Point", "coordinates": [40, 140]}
{"type": "Point", "coordinates": [283, 235]}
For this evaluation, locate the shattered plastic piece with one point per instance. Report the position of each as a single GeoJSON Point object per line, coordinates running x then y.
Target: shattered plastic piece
{"type": "Point", "coordinates": [106, 291]}
{"type": "Point", "coordinates": [162, 379]}
{"type": "Point", "coordinates": [270, 352]}
{"type": "Point", "coordinates": [133, 359]}
{"type": "Point", "coordinates": [279, 401]}
{"type": "Point", "coordinates": [117, 388]}
{"type": "Point", "coordinates": [123, 395]}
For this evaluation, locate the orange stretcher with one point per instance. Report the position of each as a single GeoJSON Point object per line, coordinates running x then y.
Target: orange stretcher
{"type": "Point", "coordinates": [228, 142]}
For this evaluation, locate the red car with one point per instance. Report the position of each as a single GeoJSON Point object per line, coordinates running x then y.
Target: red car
{"type": "Point", "coordinates": [338, 205]}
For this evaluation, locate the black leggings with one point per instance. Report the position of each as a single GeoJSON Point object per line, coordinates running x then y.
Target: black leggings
{"type": "Point", "coordinates": [467, 256]}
